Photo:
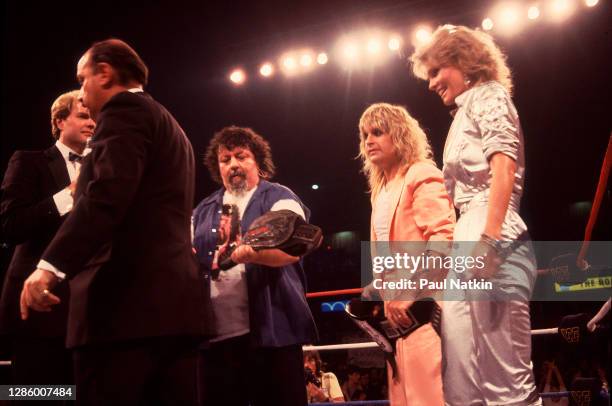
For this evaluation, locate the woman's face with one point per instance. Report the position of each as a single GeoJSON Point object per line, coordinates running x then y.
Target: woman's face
{"type": "Point", "coordinates": [448, 82]}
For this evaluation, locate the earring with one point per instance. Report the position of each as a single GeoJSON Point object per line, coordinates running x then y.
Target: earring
{"type": "Point", "coordinates": [467, 81]}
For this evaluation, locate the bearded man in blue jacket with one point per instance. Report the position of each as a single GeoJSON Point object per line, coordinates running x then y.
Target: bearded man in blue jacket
{"type": "Point", "coordinates": [260, 317]}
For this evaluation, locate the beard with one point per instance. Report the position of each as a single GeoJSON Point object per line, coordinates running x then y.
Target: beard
{"type": "Point", "coordinates": [238, 183]}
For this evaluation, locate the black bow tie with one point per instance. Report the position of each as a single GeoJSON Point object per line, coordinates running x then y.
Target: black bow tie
{"type": "Point", "coordinates": [72, 157]}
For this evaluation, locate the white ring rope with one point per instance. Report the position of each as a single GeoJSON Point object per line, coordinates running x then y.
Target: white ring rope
{"type": "Point", "coordinates": [369, 344]}
{"type": "Point", "coordinates": [544, 331]}
{"type": "Point", "coordinates": [372, 344]}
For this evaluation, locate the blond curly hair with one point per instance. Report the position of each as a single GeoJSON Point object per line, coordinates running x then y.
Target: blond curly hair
{"type": "Point", "coordinates": [473, 52]}
{"type": "Point", "coordinates": [410, 142]}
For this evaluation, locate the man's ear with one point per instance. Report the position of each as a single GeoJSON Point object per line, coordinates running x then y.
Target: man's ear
{"type": "Point", "coordinates": [105, 74]}
{"type": "Point", "coordinates": [59, 123]}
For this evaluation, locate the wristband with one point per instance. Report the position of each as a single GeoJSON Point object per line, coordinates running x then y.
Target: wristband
{"type": "Point", "coordinates": [500, 249]}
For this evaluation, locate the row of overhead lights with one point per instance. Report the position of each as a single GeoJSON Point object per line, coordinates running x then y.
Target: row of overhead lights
{"type": "Point", "coordinates": [348, 51]}
{"type": "Point", "coordinates": [291, 64]}
{"type": "Point", "coordinates": [370, 48]}
{"type": "Point", "coordinates": [509, 18]}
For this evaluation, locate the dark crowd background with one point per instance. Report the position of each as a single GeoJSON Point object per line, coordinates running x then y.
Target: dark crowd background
{"type": "Point", "coordinates": [562, 92]}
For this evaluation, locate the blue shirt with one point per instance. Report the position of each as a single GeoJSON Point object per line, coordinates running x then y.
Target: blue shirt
{"type": "Point", "coordinates": [278, 311]}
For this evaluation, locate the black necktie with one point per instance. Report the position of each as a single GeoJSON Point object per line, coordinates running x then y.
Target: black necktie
{"type": "Point", "coordinates": [72, 157]}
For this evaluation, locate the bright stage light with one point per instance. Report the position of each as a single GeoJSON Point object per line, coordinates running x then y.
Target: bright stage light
{"type": "Point", "coordinates": [322, 58]}
{"type": "Point", "coordinates": [297, 61]}
{"type": "Point", "coordinates": [365, 49]}
{"type": "Point", "coordinates": [507, 18]}
{"type": "Point", "coordinates": [306, 60]}
{"type": "Point", "coordinates": [395, 42]}
{"type": "Point", "coordinates": [487, 24]}
{"type": "Point", "coordinates": [422, 35]}
{"type": "Point", "coordinates": [561, 9]}
{"type": "Point", "coordinates": [266, 69]}
{"type": "Point", "coordinates": [289, 63]}
{"type": "Point", "coordinates": [591, 3]}
{"type": "Point", "coordinates": [374, 47]}
{"type": "Point", "coordinates": [238, 76]}
{"type": "Point", "coordinates": [350, 51]}
{"type": "Point", "coordinates": [315, 187]}
{"type": "Point", "coordinates": [533, 12]}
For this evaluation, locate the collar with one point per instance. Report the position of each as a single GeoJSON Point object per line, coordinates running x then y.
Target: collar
{"type": "Point", "coordinates": [135, 90]}
{"type": "Point", "coordinates": [460, 100]}
{"type": "Point", "coordinates": [65, 150]}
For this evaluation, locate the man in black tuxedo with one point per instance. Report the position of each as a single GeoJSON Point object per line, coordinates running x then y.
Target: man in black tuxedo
{"type": "Point", "coordinates": [36, 197]}
{"type": "Point", "coordinates": [137, 304]}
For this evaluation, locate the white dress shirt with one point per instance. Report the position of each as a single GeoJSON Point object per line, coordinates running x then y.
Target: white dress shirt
{"type": "Point", "coordinates": [63, 199]}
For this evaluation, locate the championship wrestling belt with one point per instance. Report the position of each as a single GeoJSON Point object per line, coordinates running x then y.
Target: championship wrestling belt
{"type": "Point", "coordinates": [281, 229]}
{"type": "Point", "coordinates": [369, 316]}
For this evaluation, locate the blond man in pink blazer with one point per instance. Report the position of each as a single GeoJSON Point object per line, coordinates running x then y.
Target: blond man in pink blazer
{"type": "Point", "coordinates": [409, 203]}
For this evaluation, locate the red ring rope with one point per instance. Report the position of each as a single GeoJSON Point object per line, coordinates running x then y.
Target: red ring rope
{"type": "Point", "coordinates": [601, 186]}
{"type": "Point", "coordinates": [354, 291]}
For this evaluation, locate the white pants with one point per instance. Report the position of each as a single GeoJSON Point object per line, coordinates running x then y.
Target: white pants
{"type": "Point", "coordinates": [486, 344]}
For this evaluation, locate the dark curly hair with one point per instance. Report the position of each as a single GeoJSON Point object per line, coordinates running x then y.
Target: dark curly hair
{"type": "Point", "coordinates": [232, 137]}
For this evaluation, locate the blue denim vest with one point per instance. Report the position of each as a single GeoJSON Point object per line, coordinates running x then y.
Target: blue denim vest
{"type": "Point", "coordinates": [278, 311]}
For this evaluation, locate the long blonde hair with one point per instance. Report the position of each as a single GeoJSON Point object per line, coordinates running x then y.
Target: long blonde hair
{"type": "Point", "coordinates": [473, 52]}
{"type": "Point", "coordinates": [409, 140]}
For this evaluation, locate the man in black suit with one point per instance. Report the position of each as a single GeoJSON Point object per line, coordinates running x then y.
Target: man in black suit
{"type": "Point", "coordinates": [137, 305]}
{"type": "Point", "coordinates": [36, 197]}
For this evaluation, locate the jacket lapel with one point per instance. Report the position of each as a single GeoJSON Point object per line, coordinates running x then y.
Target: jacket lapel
{"type": "Point", "coordinates": [396, 195]}
{"type": "Point", "coordinates": [57, 166]}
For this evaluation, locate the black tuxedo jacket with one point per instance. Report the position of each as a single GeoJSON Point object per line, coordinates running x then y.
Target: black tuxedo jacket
{"type": "Point", "coordinates": [126, 246]}
{"type": "Point", "coordinates": [29, 220]}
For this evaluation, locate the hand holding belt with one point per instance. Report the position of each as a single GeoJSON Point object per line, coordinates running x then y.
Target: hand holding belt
{"type": "Point", "coordinates": [369, 317]}
{"type": "Point", "coordinates": [282, 229]}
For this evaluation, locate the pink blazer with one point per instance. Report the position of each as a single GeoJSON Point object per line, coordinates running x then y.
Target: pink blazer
{"type": "Point", "coordinates": [422, 210]}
